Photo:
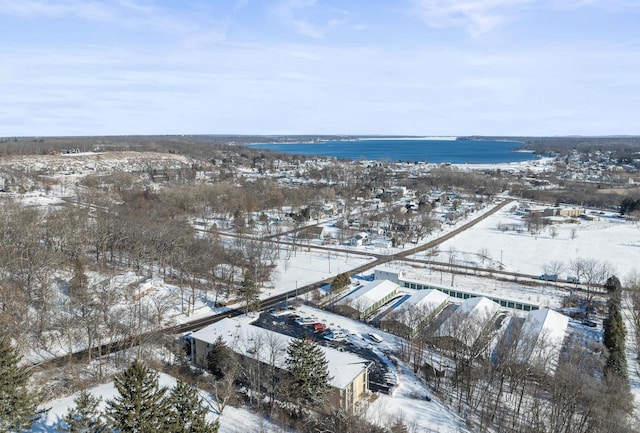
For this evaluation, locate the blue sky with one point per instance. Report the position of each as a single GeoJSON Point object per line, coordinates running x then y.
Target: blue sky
{"type": "Point", "coordinates": [415, 67]}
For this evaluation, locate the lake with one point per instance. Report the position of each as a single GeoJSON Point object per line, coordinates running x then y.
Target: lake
{"type": "Point", "coordinates": [394, 149]}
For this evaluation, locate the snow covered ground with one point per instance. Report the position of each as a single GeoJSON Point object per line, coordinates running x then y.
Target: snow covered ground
{"type": "Point", "coordinates": [609, 239]}
{"type": "Point", "coordinates": [233, 420]}
{"type": "Point", "coordinates": [407, 401]}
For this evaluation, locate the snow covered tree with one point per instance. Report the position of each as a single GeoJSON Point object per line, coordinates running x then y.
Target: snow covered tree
{"type": "Point", "coordinates": [17, 404]}
{"type": "Point", "coordinates": [84, 417]}
{"type": "Point", "coordinates": [308, 373]}
{"type": "Point", "coordinates": [141, 406]}
{"type": "Point", "coordinates": [187, 412]}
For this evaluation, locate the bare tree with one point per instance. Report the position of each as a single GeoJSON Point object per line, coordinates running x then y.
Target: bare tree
{"type": "Point", "coordinates": [592, 273]}
{"type": "Point", "coordinates": [554, 267]}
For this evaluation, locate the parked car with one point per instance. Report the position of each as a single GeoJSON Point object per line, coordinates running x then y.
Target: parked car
{"type": "Point", "coordinates": [589, 323]}
{"type": "Point", "coordinates": [375, 337]}
{"type": "Point", "coordinates": [336, 336]}
{"type": "Point", "coordinates": [548, 277]}
{"type": "Point", "coordinates": [319, 327]}
{"type": "Point", "coordinates": [306, 320]}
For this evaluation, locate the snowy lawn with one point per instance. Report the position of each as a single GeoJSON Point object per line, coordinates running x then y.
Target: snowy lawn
{"type": "Point", "coordinates": [610, 239]}
{"type": "Point", "coordinates": [233, 420]}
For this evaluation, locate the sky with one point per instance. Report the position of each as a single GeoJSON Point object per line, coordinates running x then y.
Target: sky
{"type": "Point", "coordinates": [374, 67]}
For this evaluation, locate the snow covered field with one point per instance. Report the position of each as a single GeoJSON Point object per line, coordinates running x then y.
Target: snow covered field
{"type": "Point", "coordinates": [609, 239]}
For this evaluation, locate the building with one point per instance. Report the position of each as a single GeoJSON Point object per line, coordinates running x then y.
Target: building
{"type": "Point", "coordinates": [367, 298]}
{"type": "Point", "coordinates": [472, 322]}
{"type": "Point", "coordinates": [349, 373]}
{"type": "Point", "coordinates": [565, 212]}
{"type": "Point", "coordinates": [414, 312]}
{"type": "Point", "coordinates": [541, 338]}
{"type": "Point", "coordinates": [411, 280]}
{"type": "Point", "coordinates": [359, 239]}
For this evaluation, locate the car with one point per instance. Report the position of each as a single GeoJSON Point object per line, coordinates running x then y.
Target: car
{"type": "Point", "coordinates": [548, 277]}
{"type": "Point", "coordinates": [589, 323]}
{"type": "Point", "coordinates": [319, 327]}
{"type": "Point", "coordinates": [375, 337]}
{"type": "Point", "coordinates": [336, 336]}
{"type": "Point", "coordinates": [305, 320]}
{"type": "Point", "coordinates": [572, 279]}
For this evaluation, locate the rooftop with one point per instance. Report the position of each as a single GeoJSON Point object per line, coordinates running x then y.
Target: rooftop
{"type": "Point", "coordinates": [268, 346]}
{"type": "Point", "coordinates": [370, 293]}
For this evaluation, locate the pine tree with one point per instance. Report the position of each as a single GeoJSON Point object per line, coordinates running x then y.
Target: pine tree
{"type": "Point", "coordinates": [141, 406]}
{"type": "Point", "coordinates": [79, 288]}
{"type": "Point", "coordinates": [249, 293]}
{"type": "Point", "coordinates": [340, 281]}
{"type": "Point", "coordinates": [84, 417]}
{"type": "Point", "coordinates": [614, 336]}
{"type": "Point", "coordinates": [308, 373]}
{"type": "Point", "coordinates": [187, 412]}
{"type": "Point", "coordinates": [17, 404]}
{"type": "Point", "coordinates": [614, 331]}
{"type": "Point", "coordinates": [219, 358]}
{"type": "Point", "coordinates": [79, 282]}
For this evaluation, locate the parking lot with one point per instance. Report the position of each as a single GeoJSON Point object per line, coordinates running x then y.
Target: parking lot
{"type": "Point", "coordinates": [380, 378]}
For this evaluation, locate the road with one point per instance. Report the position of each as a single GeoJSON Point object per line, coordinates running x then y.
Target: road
{"type": "Point", "coordinates": [200, 323]}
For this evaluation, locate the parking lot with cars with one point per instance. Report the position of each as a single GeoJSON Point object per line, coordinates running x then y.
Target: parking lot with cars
{"type": "Point", "coordinates": [288, 322]}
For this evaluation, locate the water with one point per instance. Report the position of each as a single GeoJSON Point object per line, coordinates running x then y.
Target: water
{"type": "Point", "coordinates": [437, 151]}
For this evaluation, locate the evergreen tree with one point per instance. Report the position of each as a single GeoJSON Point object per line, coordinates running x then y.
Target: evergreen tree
{"type": "Point", "coordinates": [613, 287]}
{"type": "Point", "coordinates": [79, 282]}
{"type": "Point", "coordinates": [340, 281]}
{"type": "Point", "coordinates": [614, 336]}
{"type": "Point", "coordinates": [17, 404]}
{"type": "Point", "coordinates": [79, 288]}
{"type": "Point", "coordinates": [308, 373]}
{"type": "Point", "coordinates": [141, 406]}
{"type": "Point", "coordinates": [614, 330]}
{"type": "Point", "coordinates": [219, 358]}
{"type": "Point", "coordinates": [84, 417]}
{"type": "Point", "coordinates": [249, 293]}
{"type": "Point", "coordinates": [187, 412]}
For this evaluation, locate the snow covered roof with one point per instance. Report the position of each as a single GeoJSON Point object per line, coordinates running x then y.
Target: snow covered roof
{"type": "Point", "coordinates": [543, 332]}
{"type": "Point", "coordinates": [268, 346]}
{"type": "Point", "coordinates": [425, 298]}
{"type": "Point", "coordinates": [423, 301]}
{"type": "Point", "coordinates": [369, 294]}
{"type": "Point", "coordinates": [469, 320]}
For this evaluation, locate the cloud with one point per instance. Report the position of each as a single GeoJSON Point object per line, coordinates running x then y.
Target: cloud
{"type": "Point", "coordinates": [310, 18]}
{"type": "Point", "coordinates": [129, 14]}
{"type": "Point", "coordinates": [80, 9]}
{"type": "Point", "coordinates": [480, 17]}
{"type": "Point", "coordinates": [477, 17]}
{"type": "Point", "coordinates": [288, 12]}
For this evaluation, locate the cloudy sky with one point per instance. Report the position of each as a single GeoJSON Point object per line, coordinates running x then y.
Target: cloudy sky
{"type": "Point", "coordinates": [418, 67]}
